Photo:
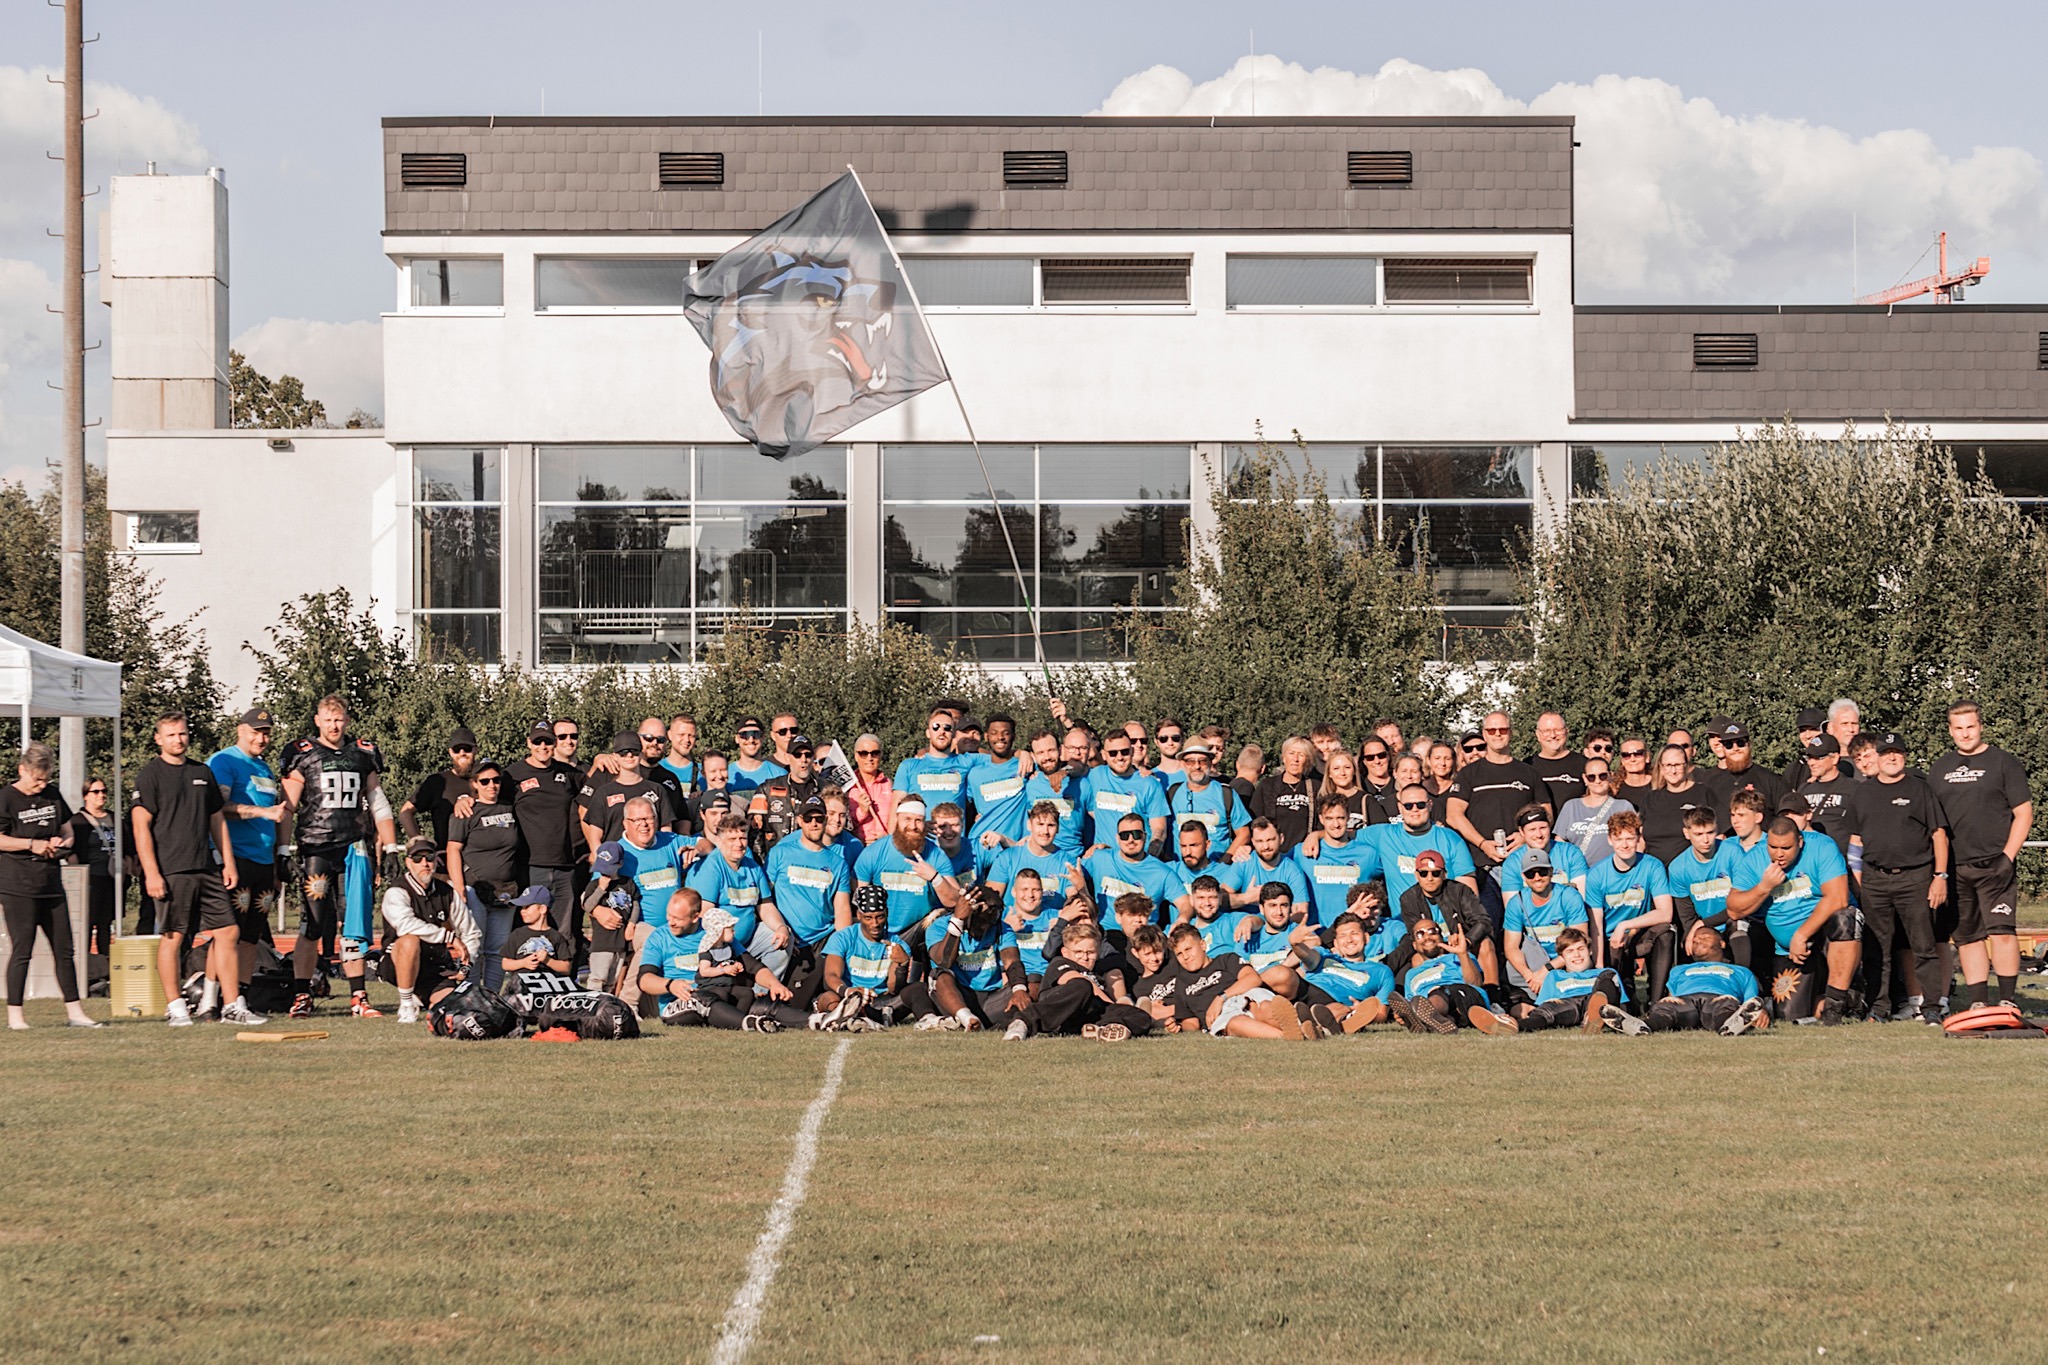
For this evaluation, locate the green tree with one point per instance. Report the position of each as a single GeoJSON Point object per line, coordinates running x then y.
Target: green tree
{"type": "Point", "coordinates": [254, 400]}
{"type": "Point", "coordinates": [1296, 614]}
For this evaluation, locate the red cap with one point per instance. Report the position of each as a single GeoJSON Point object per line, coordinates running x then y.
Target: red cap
{"type": "Point", "coordinates": [1429, 857]}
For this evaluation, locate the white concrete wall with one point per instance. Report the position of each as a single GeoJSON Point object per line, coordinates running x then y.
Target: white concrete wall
{"type": "Point", "coordinates": [1474, 373]}
{"type": "Point", "coordinates": [256, 551]}
{"type": "Point", "coordinates": [164, 261]}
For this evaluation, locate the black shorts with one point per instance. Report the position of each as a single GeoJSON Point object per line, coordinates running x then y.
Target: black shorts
{"type": "Point", "coordinates": [255, 897]}
{"type": "Point", "coordinates": [1985, 896]}
{"type": "Point", "coordinates": [438, 970]}
{"type": "Point", "coordinates": [1846, 926]}
{"type": "Point", "coordinates": [196, 903]}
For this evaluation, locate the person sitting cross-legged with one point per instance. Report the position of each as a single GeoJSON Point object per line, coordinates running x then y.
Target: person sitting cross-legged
{"type": "Point", "coordinates": [1441, 989]}
{"type": "Point", "coordinates": [1710, 992]}
{"type": "Point", "coordinates": [1577, 994]}
{"type": "Point", "coordinates": [868, 981]}
{"type": "Point", "coordinates": [977, 971]}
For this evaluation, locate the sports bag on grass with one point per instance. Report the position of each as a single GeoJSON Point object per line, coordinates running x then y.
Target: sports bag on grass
{"type": "Point", "coordinates": [471, 1012]}
{"type": "Point", "coordinates": [1990, 1021]}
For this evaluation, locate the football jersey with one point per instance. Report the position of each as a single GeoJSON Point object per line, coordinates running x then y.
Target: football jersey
{"type": "Point", "coordinates": [1544, 922]}
{"type": "Point", "coordinates": [1705, 884]}
{"type": "Point", "coordinates": [1050, 867]}
{"type": "Point", "coordinates": [1114, 876]}
{"type": "Point", "coordinates": [1350, 980]}
{"type": "Point", "coordinates": [673, 955]}
{"type": "Point", "coordinates": [805, 883]}
{"type": "Point", "coordinates": [1267, 946]}
{"type": "Point", "coordinates": [333, 807]}
{"type": "Point", "coordinates": [867, 959]}
{"type": "Point", "coordinates": [1712, 978]}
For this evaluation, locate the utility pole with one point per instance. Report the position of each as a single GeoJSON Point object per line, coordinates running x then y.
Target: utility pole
{"type": "Point", "coordinates": [71, 542]}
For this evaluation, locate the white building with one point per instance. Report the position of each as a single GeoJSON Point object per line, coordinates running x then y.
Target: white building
{"type": "Point", "coordinates": [1123, 304]}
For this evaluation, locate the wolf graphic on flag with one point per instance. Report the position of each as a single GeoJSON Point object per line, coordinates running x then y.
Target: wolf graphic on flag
{"type": "Point", "coordinates": [810, 325]}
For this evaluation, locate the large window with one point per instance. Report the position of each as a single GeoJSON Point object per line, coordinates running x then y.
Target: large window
{"type": "Point", "coordinates": [610, 281]}
{"type": "Point", "coordinates": [1454, 280]}
{"type": "Point", "coordinates": [1464, 511]}
{"type": "Point", "coordinates": [457, 606]}
{"type": "Point", "coordinates": [1098, 530]}
{"type": "Point", "coordinates": [973, 281]}
{"type": "Point", "coordinates": [1597, 470]}
{"type": "Point", "coordinates": [650, 553]}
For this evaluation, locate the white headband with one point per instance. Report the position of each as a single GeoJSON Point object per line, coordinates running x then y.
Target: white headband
{"type": "Point", "coordinates": [910, 805]}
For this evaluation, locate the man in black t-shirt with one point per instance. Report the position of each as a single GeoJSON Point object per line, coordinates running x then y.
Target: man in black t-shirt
{"type": "Point", "coordinates": [604, 798]}
{"type": "Point", "coordinates": [1223, 996]}
{"type": "Point", "coordinates": [1988, 811]}
{"type": "Point", "coordinates": [1484, 798]}
{"type": "Point", "coordinates": [1563, 772]}
{"type": "Point", "coordinates": [543, 791]}
{"type": "Point", "coordinates": [437, 792]}
{"type": "Point", "coordinates": [1826, 790]}
{"type": "Point", "coordinates": [1739, 772]}
{"type": "Point", "coordinates": [1899, 858]}
{"type": "Point", "coordinates": [772, 807]}
{"type": "Point", "coordinates": [181, 840]}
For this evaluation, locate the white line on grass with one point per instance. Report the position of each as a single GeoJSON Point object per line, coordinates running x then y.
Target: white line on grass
{"type": "Point", "coordinates": [736, 1334]}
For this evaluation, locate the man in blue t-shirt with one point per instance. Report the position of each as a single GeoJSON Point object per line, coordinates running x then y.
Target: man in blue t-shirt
{"type": "Point", "coordinates": [1129, 868]}
{"type": "Point", "coordinates": [1537, 913]}
{"type": "Point", "coordinates": [939, 773]}
{"type": "Point", "coordinates": [1117, 789]}
{"type": "Point", "coordinates": [1342, 860]}
{"type": "Point", "coordinates": [1223, 930]}
{"type": "Point", "coordinates": [1345, 990]}
{"type": "Point", "coordinates": [1802, 889]}
{"type": "Point", "coordinates": [1196, 795]}
{"type": "Point", "coordinates": [909, 870]}
{"type": "Point", "coordinates": [1630, 901]}
{"type": "Point", "coordinates": [1577, 993]}
{"type": "Point", "coordinates": [1698, 875]}
{"type": "Point", "coordinates": [1058, 869]}
{"type": "Point", "coordinates": [1440, 989]}
{"type": "Point", "coordinates": [750, 770]}
{"type": "Point", "coordinates": [1054, 780]}
{"type": "Point", "coordinates": [1267, 862]}
{"type": "Point", "coordinates": [253, 808]}
{"type": "Point", "coordinates": [1418, 830]}
{"type": "Point", "coordinates": [977, 969]}
{"type": "Point", "coordinates": [1196, 860]}
{"type": "Point", "coordinates": [810, 881]}
{"type": "Point", "coordinates": [731, 878]}
{"type": "Point", "coordinates": [868, 970]}
{"type": "Point", "coordinates": [1568, 866]}
{"type": "Point", "coordinates": [996, 791]}
{"type": "Point", "coordinates": [1710, 992]}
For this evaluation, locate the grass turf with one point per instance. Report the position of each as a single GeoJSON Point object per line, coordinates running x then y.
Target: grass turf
{"type": "Point", "coordinates": [387, 1195]}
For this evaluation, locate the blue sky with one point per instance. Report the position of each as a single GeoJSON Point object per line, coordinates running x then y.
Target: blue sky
{"type": "Point", "coordinates": [1763, 131]}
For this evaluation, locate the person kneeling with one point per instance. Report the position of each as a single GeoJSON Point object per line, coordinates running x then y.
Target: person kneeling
{"type": "Point", "coordinates": [1710, 992]}
{"type": "Point", "coordinates": [1441, 989]}
{"type": "Point", "coordinates": [430, 939]}
{"type": "Point", "coordinates": [1072, 998]}
{"type": "Point", "coordinates": [1576, 994]}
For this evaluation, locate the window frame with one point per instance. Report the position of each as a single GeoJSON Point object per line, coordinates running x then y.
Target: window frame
{"type": "Point", "coordinates": [412, 504]}
{"type": "Point", "coordinates": [453, 310]}
{"type": "Point", "coordinates": [1378, 263]}
{"type": "Point", "coordinates": [571, 310]}
{"type": "Point", "coordinates": [134, 544]}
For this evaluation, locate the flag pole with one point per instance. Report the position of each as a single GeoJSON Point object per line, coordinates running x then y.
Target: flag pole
{"type": "Point", "coordinates": [1016, 566]}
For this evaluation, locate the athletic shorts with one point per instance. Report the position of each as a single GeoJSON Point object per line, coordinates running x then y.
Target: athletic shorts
{"type": "Point", "coordinates": [255, 897]}
{"type": "Point", "coordinates": [1238, 1004]}
{"type": "Point", "coordinates": [438, 969]}
{"type": "Point", "coordinates": [1984, 897]}
{"type": "Point", "coordinates": [197, 903]}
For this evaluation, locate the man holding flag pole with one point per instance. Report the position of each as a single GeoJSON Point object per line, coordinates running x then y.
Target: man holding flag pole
{"type": "Point", "coordinates": [814, 327]}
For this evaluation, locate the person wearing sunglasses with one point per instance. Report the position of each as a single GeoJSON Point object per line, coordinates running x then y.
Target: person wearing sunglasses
{"type": "Point", "coordinates": [1600, 744]}
{"type": "Point", "coordinates": [1562, 769]}
{"type": "Point", "coordinates": [1633, 757]}
{"type": "Point", "coordinates": [772, 807]}
{"type": "Point", "coordinates": [1484, 798]}
{"type": "Point", "coordinates": [1441, 985]}
{"type": "Point", "coordinates": [1740, 771]}
{"type": "Point", "coordinates": [437, 792]}
{"type": "Point", "coordinates": [1196, 795]}
{"type": "Point", "coordinates": [1417, 833]}
{"type": "Point", "coordinates": [812, 884]}
{"type": "Point", "coordinates": [94, 834]}
{"type": "Point", "coordinates": [1456, 910]}
{"type": "Point", "coordinates": [487, 863]}
{"type": "Point", "coordinates": [939, 773]}
{"type": "Point", "coordinates": [750, 769]}
{"type": "Point", "coordinates": [1583, 821]}
{"type": "Point", "coordinates": [1541, 907]}
{"type": "Point", "coordinates": [543, 790]}
{"type": "Point", "coordinates": [783, 728]}
{"type": "Point", "coordinates": [1376, 779]}
{"type": "Point", "coordinates": [255, 807]}
{"type": "Point", "coordinates": [871, 796]}
{"type": "Point", "coordinates": [430, 939]}
{"type": "Point", "coordinates": [1129, 868]}
{"type": "Point", "coordinates": [1118, 788]}
{"type": "Point", "coordinates": [1538, 835]}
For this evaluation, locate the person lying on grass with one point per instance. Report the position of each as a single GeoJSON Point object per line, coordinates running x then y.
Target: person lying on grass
{"type": "Point", "coordinates": [1576, 994]}
{"type": "Point", "coordinates": [1224, 996]}
{"type": "Point", "coordinates": [1441, 989]}
{"type": "Point", "coordinates": [1345, 990]}
{"type": "Point", "coordinates": [1709, 992]}
{"type": "Point", "coordinates": [1278, 940]}
{"type": "Point", "coordinates": [1072, 999]}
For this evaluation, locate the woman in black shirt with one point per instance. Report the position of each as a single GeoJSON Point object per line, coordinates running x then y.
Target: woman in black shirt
{"type": "Point", "coordinates": [93, 833]}
{"type": "Point", "coordinates": [487, 862]}
{"type": "Point", "coordinates": [35, 836]}
{"type": "Point", "coordinates": [1671, 793]}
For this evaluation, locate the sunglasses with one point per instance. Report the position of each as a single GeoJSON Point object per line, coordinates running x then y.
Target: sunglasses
{"type": "Point", "coordinates": [1169, 737]}
{"type": "Point", "coordinates": [1596, 777]}
{"type": "Point", "coordinates": [1536, 874]}
{"type": "Point", "coordinates": [785, 729]}
{"type": "Point", "coordinates": [1377, 756]}
{"type": "Point", "coordinates": [1635, 753]}
{"type": "Point", "coordinates": [462, 748]}
{"type": "Point", "coordinates": [748, 734]}
{"type": "Point", "coordinates": [1494, 729]}
{"type": "Point", "coordinates": [867, 753]}
{"type": "Point", "coordinates": [561, 735]}
{"type": "Point", "coordinates": [1415, 805]}
{"type": "Point", "coordinates": [938, 728]}
{"type": "Point", "coordinates": [1735, 744]}
{"type": "Point", "coordinates": [538, 743]}
{"type": "Point", "coordinates": [656, 738]}
{"type": "Point", "coordinates": [1472, 748]}
{"type": "Point", "coordinates": [95, 791]}
{"type": "Point", "coordinates": [1130, 834]}
{"type": "Point", "coordinates": [421, 858]}
{"type": "Point", "coordinates": [1117, 753]}
{"type": "Point", "coordinates": [1428, 873]}
{"type": "Point", "coordinates": [1600, 746]}
{"type": "Point", "coordinates": [487, 781]}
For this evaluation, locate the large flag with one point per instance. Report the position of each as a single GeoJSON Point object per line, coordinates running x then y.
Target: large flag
{"type": "Point", "coordinates": [811, 326]}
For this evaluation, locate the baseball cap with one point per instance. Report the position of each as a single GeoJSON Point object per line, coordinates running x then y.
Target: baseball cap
{"type": "Point", "coordinates": [1792, 803]}
{"type": "Point", "coordinates": [1429, 857]}
{"type": "Point", "coordinates": [420, 847]}
{"type": "Point", "coordinates": [257, 718]}
{"type": "Point", "coordinates": [1716, 724]}
{"type": "Point", "coordinates": [534, 895]}
{"type": "Point", "coordinates": [1535, 860]}
{"type": "Point", "coordinates": [461, 738]}
{"type": "Point", "coordinates": [1812, 718]}
{"type": "Point", "coordinates": [542, 730]}
{"type": "Point", "coordinates": [749, 723]}
{"type": "Point", "coordinates": [1820, 746]}
{"type": "Point", "coordinates": [800, 745]}
{"type": "Point", "coordinates": [717, 799]}
{"type": "Point", "coordinates": [718, 918]}
{"type": "Point", "coordinates": [485, 765]}
{"type": "Point", "coordinates": [626, 742]}
{"type": "Point", "coordinates": [608, 859]}
{"type": "Point", "coordinates": [810, 806]}
{"type": "Point", "coordinates": [1734, 732]}
{"type": "Point", "coordinates": [1890, 743]}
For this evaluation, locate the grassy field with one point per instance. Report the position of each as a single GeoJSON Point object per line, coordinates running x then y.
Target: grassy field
{"type": "Point", "coordinates": [384, 1195]}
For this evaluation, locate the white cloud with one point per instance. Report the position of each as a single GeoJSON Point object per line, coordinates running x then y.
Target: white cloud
{"type": "Point", "coordinates": [341, 363]}
{"type": "Point", "coordinates": [1679, 200]}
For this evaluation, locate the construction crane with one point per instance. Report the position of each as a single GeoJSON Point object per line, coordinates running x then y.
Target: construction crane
{"type": "Point", "coordinates": [1945, 287]}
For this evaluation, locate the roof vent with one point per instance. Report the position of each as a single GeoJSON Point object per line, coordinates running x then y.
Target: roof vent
{"type": "Point", "coordinates": [2042, 357]}
{"type": "Point", "coordinates": [1034, 168]}
{"type": "Point", "coordinates": [692, 170]}
{"type": "Point", "coordinates": [1380, 168]}
{"type": "Point", "coordinates": [433, 170]}
{"type": "Point", "coordinates": [1724, 350]}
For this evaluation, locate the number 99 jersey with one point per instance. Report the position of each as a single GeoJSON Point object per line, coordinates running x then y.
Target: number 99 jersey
{"type": "Point", "coordinates": [332, 806]}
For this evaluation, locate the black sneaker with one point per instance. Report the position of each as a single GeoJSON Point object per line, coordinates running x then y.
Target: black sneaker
{"type": "Point", "coordinates": [1404, 1014]}
{"type": "Point", "coordinates": [1830, 1013]}
{"type": "Point", "coordinates": [1931, 1015]}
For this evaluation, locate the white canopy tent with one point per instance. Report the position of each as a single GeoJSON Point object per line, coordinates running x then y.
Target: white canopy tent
{"type": "Point", "coordinates": [42, 680]}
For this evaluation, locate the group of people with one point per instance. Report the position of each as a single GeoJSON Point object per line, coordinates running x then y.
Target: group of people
{"type": "Point", "coordinates": [1109, 882]}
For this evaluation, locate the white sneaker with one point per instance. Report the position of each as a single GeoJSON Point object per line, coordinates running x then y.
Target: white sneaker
{"type": "Point", "coordinates": [1751, 1015]}
{"type": "Point", "coordinates": [1615, 1019]}
{"type": "Point", "coordinates": [408, 1011]}
{"type": "Point", "coordinates": [933, 1023]}
{"type": "Point", "coordinates": [966, 1020]}
{"type": "Point", "coordinates": [1017, 1032]}
{"type": "Point", "coordinates": [237, 1011]}
{"type": "Point", "coordinates": [178, 1014]}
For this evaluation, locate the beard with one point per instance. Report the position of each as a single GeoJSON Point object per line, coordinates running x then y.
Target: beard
{"type": "Point", "coordinates": [909, 845]}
